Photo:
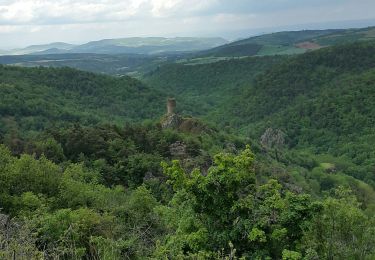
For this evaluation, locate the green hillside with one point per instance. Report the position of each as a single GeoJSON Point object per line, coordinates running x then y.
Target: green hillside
{"type": "Point", "coordinates": [33, 98]}
{"type": "Point", "coordinates": [234, 50]}
{"type": "Point", "coordinates": [346, 36]}
{"type": "Point", "coordinates": [133, 45]}
{"type": "Point", "coordinates": [323, 100]}
{"type": "Point", "coordinates": [119, 65]}
{"type": "Point", "coordinates": [331, 73]}
{"type": "Point", "coordinates": [286, 38]}
{"type": "Point", "coordinates": [148, 45]}
{"type": "Point", "coordinates": [202, 88]}
{"type": "Point", "coordinates": [137, 56]}
{"type": "Point", "coordinates": [81, 178]}
{"type": "Point", "coordinates": [291, 42]}
{"type": "Point", "coordinates": [61, 46]}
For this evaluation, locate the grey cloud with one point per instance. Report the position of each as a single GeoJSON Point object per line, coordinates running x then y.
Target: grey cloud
{"type": "Point", "coordinates": [83, 11]}
{"type": "Point", "coordinates": [24, 22]}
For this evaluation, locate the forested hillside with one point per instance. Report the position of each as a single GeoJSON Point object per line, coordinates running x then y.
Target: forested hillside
{"type": "Point", "coordinates": [74, 211]}
{"type": "Point", "coordinates": [137, 56]}
{"type": "Point", "coordinates": [275, 160]}
{"type": "Point", "coordinates": [120, 64]}
{"type": "Point", "coordinates": [323, 100]}
{"type": "Point", "coordinates": [36, 98]}
{"type": "Point", "coordinates": [291, 42]}
{"type": "Point", "coordinates": [131, 45]}
{"type": "Point", "coordinates": [202, 88]}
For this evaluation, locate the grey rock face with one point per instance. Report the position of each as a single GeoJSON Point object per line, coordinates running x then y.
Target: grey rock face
{"type": "Point", "coordinates": [171, 121]}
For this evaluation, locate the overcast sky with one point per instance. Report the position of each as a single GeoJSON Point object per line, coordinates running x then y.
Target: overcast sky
{"type": "Point", "coordinates": [26, 22]}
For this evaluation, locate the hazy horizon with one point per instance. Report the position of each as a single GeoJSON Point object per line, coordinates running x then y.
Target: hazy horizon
{"type": "Point", "coordinates": [27, 22]}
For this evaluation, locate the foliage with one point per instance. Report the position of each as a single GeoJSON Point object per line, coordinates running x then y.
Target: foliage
{"type": "Point", "coordinates": [36, 98]}
{"type": "Point", "coordinates": [312, 98]}
{"type": "Point", "coordinates": [342, 230]}
{"type": "Point", "coordinates": [223, 213]}
{"type": "Point", "coordinates": [227, 206]}
{"type": "Point", "coordinates": [90, 190]}
{"type": "Point", "coordinates": [203, 88]}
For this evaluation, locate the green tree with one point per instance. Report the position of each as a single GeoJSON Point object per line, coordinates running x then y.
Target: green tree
{"type": "Point", "coordinates": [342, 230]}
{"type": "Point", "coordinates": [226, 205]}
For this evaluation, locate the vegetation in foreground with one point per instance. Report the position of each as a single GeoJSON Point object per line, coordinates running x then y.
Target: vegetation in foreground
{"type": "Point", "coordinates": [68, 211]}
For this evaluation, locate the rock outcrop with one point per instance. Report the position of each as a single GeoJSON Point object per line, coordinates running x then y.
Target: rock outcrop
{"type": "Point", "coordinates": [171, 121]}
{"type": "Point", "coordinates": [184, 124]}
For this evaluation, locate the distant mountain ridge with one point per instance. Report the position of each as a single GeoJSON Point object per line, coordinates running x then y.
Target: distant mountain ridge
{"type": "Point", "coordinates": [290, 42]}
{"type": "Point", "coordinates": [137, 56]}
{"type": "Point", "coordinates": [38, 48]}
{"type": "Point", "coordinates": [135, 45]}
{"type": "Point", "coordinates": [278, 43]}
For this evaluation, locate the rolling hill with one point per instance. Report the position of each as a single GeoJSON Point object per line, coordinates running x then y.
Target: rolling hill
{"type": "Point", "coordinates": [267, 44]}
{"type": "Point", "coordinates": [313, 98]}
{"type": "Point", "coordinates": [136, 45]}
{"type": "Point", "coordinates": [132, 56]}
{"type": "Point", "coordinates": [32, 99]}
{"type": "Point", "coordinates": [81, 180]}
{"type": "Point", "coordinates": [153, 45]}
{"type": "Point", "coordinates": [120, 64]}
{"type": "Point", "coordinates": [60, 46]}
{"type": "Point", "coordinates": [145, 54]}
{"type": "Point", "coordinates": [291, 42]}
{"type": "Point", "coordinates": [205, 87]}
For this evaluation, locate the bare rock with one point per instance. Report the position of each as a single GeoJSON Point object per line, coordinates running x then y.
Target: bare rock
{"type": "Point", "coordinates": [178, 149]}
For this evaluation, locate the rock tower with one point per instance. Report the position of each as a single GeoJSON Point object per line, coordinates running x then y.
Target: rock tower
{"type": "Point", "coordinates": [171, 105]}
{"type": "Point", "coordinates": [171, 119]}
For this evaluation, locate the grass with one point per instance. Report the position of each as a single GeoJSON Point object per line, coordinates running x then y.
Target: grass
{"type": "Point", "coordinates": [370, 33]}
{"type": "Point", "coordinates": [279, 50]}
{"type": "Point", "coordinates": [204, 60]}
{"type": "Point", "coordinates": [327, 166]}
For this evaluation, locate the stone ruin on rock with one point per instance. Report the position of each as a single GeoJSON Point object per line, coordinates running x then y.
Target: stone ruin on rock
{"type": "Point", "coordinates": [171, 106]}
{"type": "Point", "coordinates": [171, 120]}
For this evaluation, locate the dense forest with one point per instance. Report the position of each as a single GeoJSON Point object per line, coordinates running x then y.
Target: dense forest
{"type": "Point", "coordinates": [323, 101]}
{"type": "Point", "coordinates": [267, 158]}
{"type": "Point", "coordinates": [32, 99]}
{"type": "Point", "coordinates": [213, 84]}
{"type": "Point", "coordinates": [111, 201]}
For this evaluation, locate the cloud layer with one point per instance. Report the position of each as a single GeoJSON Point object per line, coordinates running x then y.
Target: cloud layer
{"type": "Point", "coordinates": [25, 22]}
{"type": "Point", "coordinates": [43, 12]}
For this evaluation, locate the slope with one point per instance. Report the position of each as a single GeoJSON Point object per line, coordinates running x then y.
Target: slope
{"type": "Point", "coordinates": [34, 98]}
{"type": "Point", "coordinates": [291, 42]}
{"type": "Point", "coordinates": [61, 46]}
{"type": "Point", "coordinates": [134, 45]}
{"type": "Point", "coordinates": [151, 45]}
{"type": "Point", "coordinates": [144, 54]}
{"type": "Point", "coordinates": [121, 64]}
{"type": "Point", "coordinates": [205, 87]}
{"type": "Point", "coordinates": [322, 101]}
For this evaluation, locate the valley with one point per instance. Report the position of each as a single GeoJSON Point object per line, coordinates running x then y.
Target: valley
{"type": "Point", "coordinates": [272, 140]}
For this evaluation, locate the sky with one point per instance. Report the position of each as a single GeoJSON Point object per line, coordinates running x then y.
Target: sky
{"type": "Point", "coordinates": [26, 22]}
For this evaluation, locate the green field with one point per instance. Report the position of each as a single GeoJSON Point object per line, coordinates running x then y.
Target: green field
{"type": "Point", "coordinates": [279, 50]}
